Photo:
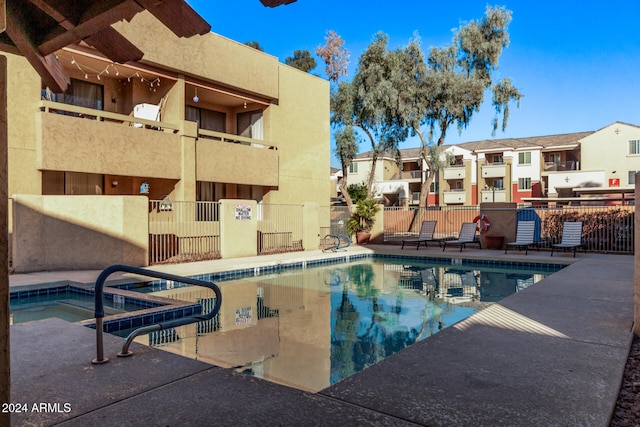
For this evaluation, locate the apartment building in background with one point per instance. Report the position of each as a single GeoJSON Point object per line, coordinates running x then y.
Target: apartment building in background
{"type": "Point", "coordinates": [520, 170]}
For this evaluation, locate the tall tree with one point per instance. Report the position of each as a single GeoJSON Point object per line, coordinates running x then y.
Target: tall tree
{"type": "Point", "coordinates": [335, 56]}
{"type": "Point", "coordinates": [336, 59]}
{"type": "Point", "coordinates": [301, 60]}
{"type": "Point", "coordinates": [454, 83]}
{"type": "Point", "coordinates": [346, 149]}
{"type": "Point", "coordinates": [369, 102]}
{"type": "Point", "coordinates": [254, 44]}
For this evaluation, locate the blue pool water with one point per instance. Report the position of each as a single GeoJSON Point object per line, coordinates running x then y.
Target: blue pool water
{"type": "Point", "coordinates": [309, 328]}
{"type": "Point", "coordinates": [68, 302]}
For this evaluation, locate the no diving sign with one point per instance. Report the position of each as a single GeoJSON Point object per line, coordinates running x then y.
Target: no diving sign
{"type": "Point", "coordinates": [243, 211]}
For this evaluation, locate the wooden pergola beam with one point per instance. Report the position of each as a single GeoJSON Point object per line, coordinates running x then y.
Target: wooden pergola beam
{"type": "Point", "coordinates": [178, 16]}
{"type": "Point", "coordinates": [52, 73]}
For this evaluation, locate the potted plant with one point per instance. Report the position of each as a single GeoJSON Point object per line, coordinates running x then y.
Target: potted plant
{"type": "Point", "coordinates": [362, 220]}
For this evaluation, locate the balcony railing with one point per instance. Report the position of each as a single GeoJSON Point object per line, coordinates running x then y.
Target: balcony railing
{"type": "Point", "coordinates": [552, 166]}
{"type": "Point", "coordinates": [455, 172]}
{"type": "Point", "coordinates": [494, 170]}
{"type": "Point", "coordinates": [454, 196]}
{"type": "Point", "coordinates": [235, 139]}
{"type": "Point", "coordinates": [105, 116]}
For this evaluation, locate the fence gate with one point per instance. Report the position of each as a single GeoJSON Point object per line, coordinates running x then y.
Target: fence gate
{"type": "Point", "coordinates": [279, 228]}
{"type": "Point", "coordinates": [183, 231]}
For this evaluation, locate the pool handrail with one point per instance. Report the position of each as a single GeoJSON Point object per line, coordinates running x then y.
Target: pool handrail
{"type": "Point", "coordinates": [99, 306]}
{"type": "Point", "coordinates": [337, 238]}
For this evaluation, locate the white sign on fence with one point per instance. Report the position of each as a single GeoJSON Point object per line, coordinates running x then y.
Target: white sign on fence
{"type": "Point", "coordinates": [243, 211]}
{"type": "Point", "coordinates": [244, 316]}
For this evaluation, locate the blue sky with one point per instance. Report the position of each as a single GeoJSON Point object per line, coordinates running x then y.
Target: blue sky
{"type": "Point", "coordinates": [576, 62]}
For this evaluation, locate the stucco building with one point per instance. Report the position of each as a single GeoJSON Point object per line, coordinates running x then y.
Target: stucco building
{"type": "Point", "coordinates": [516, 170]}
{"type": "Point", "coordinates": [204, 118]}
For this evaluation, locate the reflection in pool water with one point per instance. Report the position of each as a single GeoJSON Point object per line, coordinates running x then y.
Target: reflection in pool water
{"type": "Point", "coordinates": [313, 327]}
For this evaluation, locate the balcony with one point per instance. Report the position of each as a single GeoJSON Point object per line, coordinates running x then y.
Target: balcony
{"type": "Point", "coordinates": [71, 138]}
{"type": "Point", "coordinates": [455, 172]}
{"type": "Point", "coordinates": [494, 195]}
{"type": "Point", "coordinates": [222, 157]}
{"type": "Point", "coordinates": [556, 166]}
{"type": "Point", "coordinates": [494, 170]}
{"type": "Point", "coordinates": [454, 197]}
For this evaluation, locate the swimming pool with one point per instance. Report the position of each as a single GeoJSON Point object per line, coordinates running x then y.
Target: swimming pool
{"type": "Point", "coordinates": [312, 327]}
{"type": "Point", "coordinates": [77, 304]}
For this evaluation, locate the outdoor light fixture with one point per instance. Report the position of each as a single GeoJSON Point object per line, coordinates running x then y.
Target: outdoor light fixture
{"type": "Point", "coordinates": [245, 104]}
{"type": "Point", "coordinates": [195, 97]}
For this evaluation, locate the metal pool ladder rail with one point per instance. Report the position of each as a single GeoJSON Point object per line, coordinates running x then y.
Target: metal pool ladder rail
{"type": "Point", "coordinates": [99, 307]}
{"type": "Point", "coordinates": [334, 242]}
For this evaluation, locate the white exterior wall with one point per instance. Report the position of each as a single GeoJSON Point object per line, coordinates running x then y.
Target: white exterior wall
{"type": "Point", "coordinates": [526, 171]}
{"type": "Point", "coordinates": [466, 155]}
{"type": "Point", "coordinates": [608, 150]}
{"type": "Point", "coordinates": [572, 179]}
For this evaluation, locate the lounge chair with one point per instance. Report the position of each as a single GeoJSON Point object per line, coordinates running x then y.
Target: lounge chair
{"type": "Point", "coordinates": [426, 235]}
{"type": "Point", "coordinates": [571, 237]}
{"type": "Point", "coordinates": [466, 236]}
{"type": "Point", "coordinates": [525, 232]}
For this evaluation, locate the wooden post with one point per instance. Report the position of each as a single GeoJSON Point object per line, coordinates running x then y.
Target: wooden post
{"type": "Point", "coordinates": [5, 371]}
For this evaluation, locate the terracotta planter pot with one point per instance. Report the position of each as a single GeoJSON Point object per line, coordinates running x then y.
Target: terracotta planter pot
{"type": "Point", "coordinates": [363, 238]}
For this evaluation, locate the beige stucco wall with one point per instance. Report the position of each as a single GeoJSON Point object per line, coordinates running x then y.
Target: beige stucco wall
{"type": "Point", "coordinates": [250, 165]}
{"type": "Point", "coordinates": [22, 98]}
{"type": "Point", "coordinates": [202, 56]}
{"type": "Point", "coordinates": [78, 232]}
{"type": "Point", "coordinates": [299, 126]}
{"type": "Point", "coordinates": [238, 228]}
{"type": "Point", "coordinates": [67, 143]}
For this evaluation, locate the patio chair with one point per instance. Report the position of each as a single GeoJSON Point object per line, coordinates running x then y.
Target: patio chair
{"type": "Point", "coordinates": [466, 236]}
{"type": "Point", "coordinates": [571, 237]}
{"type": "Point", "coordinates": [525, 232]}
{"type": "Point", "coordinates": [426, 235]}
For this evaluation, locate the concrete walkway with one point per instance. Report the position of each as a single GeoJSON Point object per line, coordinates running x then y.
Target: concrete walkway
{"type": "Point", "coordinates": [553, 354]}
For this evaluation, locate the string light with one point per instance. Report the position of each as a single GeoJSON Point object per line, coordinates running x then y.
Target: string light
{"type": "Point", "coordinates": [90, 72]}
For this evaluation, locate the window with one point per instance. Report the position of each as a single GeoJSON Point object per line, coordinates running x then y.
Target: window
{"type": "Point", "coordinates": [632, 177]}
{"type": "Point", "coordinates": [634, 146]}
{"type": "Point", "coordinates": [498, 184]}
{"type": "Point", "coordinates": [524, 183]}
{"type": "Point", "coordinates": [496, 158]}
{"type": "Point", "coordinates": [554, 158]}
{"type": "Point", "coordinates": [71, 183]}
{"type": "Point", "coordinates": [83, 94]}
{"type": "Point", "coordinates": [435, 187]}
{"type": "Point", "coordinates": [250, 124]}
{"type": "Point", "coordinates": [524, 158]}
{"type": "Point", "coordinates": [207, 119]}
{"type": "Point", "coordinates": [353, 167]}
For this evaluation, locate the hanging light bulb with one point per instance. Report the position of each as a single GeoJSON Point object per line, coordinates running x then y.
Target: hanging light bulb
{"type": "Point", "coordinates": [195, 97]}
{"type": "Point", "coordinates": [245, 104]}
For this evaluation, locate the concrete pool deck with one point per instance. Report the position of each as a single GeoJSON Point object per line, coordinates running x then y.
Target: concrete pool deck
{"type": "Point", "coordinates": [553, 354]}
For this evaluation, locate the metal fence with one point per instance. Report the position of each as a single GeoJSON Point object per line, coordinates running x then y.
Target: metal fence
{"type": "Point", "coordinates": [333, 220]}
{"type": "Point", "coordinates": [183, 231]}
{"type": "Point", "coordinates": [279, 228]}
{"type": "Point", "coordinates": [607, 229]}
{"type": "Point", "coordinates": [400, 223]}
